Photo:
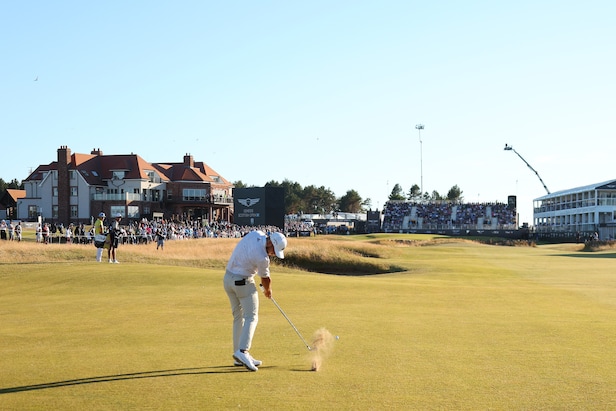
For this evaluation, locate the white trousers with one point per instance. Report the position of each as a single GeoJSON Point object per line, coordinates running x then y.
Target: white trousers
{"type": "Point", "coordinates": [244, 301]}
{"type": "Point", "coordinates": [99, 254]}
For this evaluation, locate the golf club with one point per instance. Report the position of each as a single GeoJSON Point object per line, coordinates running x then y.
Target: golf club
{"type": "Point", "coordinates": [287, 318]}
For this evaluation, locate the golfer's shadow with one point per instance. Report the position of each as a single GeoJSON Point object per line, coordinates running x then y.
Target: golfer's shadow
{"type": "Point", "coordinates": [130, 376]}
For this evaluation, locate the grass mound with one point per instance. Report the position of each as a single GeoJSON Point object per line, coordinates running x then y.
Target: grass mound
{"type": "Point", "coordinates": [344, 262]}
{"type": "Point", "coordinates": [340, 257]}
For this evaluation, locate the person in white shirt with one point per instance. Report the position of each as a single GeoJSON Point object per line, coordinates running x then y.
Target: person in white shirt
{"type": "Point", "coordinates": [11, 231]}
{"type": "Point", "coordinates": [69, 234]}
{"type": "Point", "coordinates": [250, 257]}
{"type": "Point", "coordinates": [39, 233]}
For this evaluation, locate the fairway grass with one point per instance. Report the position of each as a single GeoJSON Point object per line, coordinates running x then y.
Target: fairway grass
{"type": "Point", "coordinates": [463, 326]}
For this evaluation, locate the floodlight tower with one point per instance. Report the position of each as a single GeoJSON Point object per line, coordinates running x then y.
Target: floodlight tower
{"type": "Point", "coordinates": [509, 148]}
{"type": "Point", "coordinates": [420, 127]}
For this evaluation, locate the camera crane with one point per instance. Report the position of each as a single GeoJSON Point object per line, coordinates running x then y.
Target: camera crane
{"type": "Point", "coordinates": [509, 148]}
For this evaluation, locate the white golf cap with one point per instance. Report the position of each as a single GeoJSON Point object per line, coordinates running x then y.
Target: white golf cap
{"type": "Point", "coordinates": [118, 215]}
{"type": "Point", "coordinates": [280, 243]}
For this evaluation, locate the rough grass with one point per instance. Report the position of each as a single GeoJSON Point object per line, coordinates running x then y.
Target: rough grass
{"type": "Point", "coordinates": [599, 245]}
{"type": "Point", "coordinates": [464, 326]}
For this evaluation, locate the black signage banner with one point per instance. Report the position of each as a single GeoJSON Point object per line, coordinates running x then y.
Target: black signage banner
{"type": "Point", "coordinates": [259, 206]}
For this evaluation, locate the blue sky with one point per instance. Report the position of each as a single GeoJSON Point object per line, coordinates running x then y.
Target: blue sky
{"type": "Point", "coordinates": [323, 93]}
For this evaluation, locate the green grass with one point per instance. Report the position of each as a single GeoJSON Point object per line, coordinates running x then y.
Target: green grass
{"type": "Point", "coordinates": [464, 326]}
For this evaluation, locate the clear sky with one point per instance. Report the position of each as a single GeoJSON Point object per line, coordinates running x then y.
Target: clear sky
{"type": "Point", "coordinates": [323, 93]}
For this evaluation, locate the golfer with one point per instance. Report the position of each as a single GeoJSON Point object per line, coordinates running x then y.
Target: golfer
{"type": "Point", "coordinates": [251, 256]}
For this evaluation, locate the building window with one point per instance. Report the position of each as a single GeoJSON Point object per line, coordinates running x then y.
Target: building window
{"type": "Point", "coordinates": [32, 212]}
{"type": "Point", "coordinates": [132, 212]}
{"type": "Point", "coordinates": [54, 191]}
{"type": "Point", "coordinates": [155, 195]}
{"type": "Point", "coordinates": [73, 191]}
{"type": "Point", "coordinates": [72, 174]}
{"type": "Point", "coordinates": [115, 210]}
{"type": "Point", "coordinates": [193, 194]}
{"type": "Point", "coordinates": [118, 175]}
{"type": "Point", "coordinates": [74, 211]}
{"type": "Point", "coordinates": [146, 210]}
{"type": "Point", "coordinates": [54, 211]}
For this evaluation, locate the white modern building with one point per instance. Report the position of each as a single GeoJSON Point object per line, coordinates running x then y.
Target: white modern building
{"type": "Point", "coordinates": [578, 211]}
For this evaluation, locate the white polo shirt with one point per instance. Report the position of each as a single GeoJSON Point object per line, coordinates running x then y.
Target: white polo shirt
{"type": "Point", "coordinates": [250, 256]}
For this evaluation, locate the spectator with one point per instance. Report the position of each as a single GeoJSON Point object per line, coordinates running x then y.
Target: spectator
{"type": "Point", "coordinates": [69, 234]}
{"type": "Point", "coordinates": [160, 237]}
{"type": "Point", "coordinates": [18, 231]}
{"type": "Point", "coordinates": [46, 233]}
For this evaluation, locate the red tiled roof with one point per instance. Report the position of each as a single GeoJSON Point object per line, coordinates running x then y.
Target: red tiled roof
{"type": "Point", "coordinates": [15, 193]}
{"type": "Point", "coordinates": [134, 166]}
{"type": "Point", "coordinates": [182, 172]}
{"type": "Point", "coordinates": [40, 171]}
{"type": "Point", "coordinates": [96, 168]}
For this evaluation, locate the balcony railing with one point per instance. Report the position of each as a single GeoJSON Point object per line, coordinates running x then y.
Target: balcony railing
{"type": "Point", "coordinates": [117, 197]}
{"type": "Point", "coordinates": [221, 199]}
{"type": "Point", "coordinates": [210, 199]}
{"type": "Point", "coordinates": [127, 197]}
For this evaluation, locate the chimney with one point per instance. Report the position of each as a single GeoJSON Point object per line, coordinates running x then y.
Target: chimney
{"type": "Point", "coordinates": [188, 160]}
{"type": "Point", "coordinates": [64, 154]}
{"type": "Point", "coordinates": [64, 184]}
{"type": "Point", "coordinates": [96, 152]}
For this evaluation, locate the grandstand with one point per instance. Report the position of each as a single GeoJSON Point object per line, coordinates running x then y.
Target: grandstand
{"type": "Point", "coordinates": [577, 213]}
{"type": "Point", "coordinates": [452, 218]}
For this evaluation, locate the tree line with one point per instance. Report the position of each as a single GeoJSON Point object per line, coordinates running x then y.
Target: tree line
{"type": "Point", "coordinates": [321, 200]}
{"type": "Point", "coordinates": [454, 194]}
{"type": "Point", "coordinates": [315, 200]}
{"type": "Point", "coordinates": [13, 184]}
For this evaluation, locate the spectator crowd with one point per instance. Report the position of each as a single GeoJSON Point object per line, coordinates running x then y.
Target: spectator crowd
{"type": "Point", "coordinates": [141, 232]}
{"type": "Point", "coordinates": [446, 215]}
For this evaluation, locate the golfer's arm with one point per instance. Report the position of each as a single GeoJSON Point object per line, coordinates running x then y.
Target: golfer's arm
{"type": "Point", "coordinates": [267, 286]}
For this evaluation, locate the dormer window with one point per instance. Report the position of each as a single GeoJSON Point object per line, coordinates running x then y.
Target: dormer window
{"type": "Point", "coordinates": [118, 175]}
